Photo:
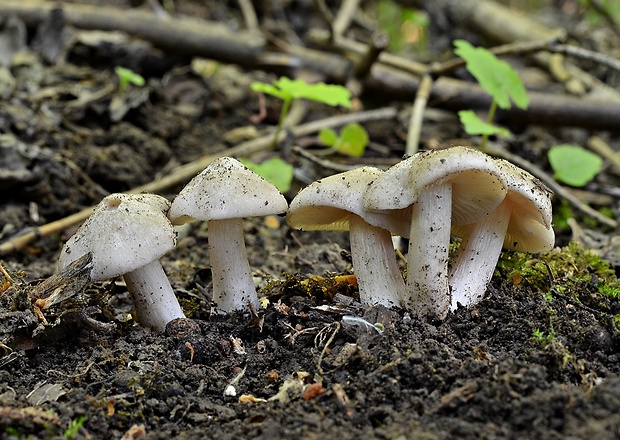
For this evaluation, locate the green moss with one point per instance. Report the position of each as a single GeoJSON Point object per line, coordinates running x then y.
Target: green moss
{"type": "Point", "coordinates": [572, 271]}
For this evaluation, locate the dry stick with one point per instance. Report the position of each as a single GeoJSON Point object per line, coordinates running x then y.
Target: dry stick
{"type": "Point", "coordinates": [603, 149]}
{"type": "Point", "coordinates": [177, 34]}
{"type": "Point", "coordinates": [417, 114]}
{"type": "Point", "coordinates": [553, 185]}
{"type": "Point", "coordinates": [189, 170]}
{"type": "Point", "coordinates": [249, 15]}
{"type": "Point", "coordinates": [585, 54]}
{"type": "Point", "coordinates": [379, 41]}
{"type": "Point", "coordinates": [344, 17]}
{"type": "Point", "coordinates": [324, 163]}
{"type": "Point", "coordinates": [321, 37]}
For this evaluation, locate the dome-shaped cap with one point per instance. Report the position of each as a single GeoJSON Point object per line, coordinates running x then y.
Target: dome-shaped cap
{"type": "Point", "coordinates": [328, 203]}
{"type": "Point", "coordinates": [477, 186]}
{"type": "Point", "coordinates": [226, 189]}
{"type": "Point", "coordinates": [124, 232]}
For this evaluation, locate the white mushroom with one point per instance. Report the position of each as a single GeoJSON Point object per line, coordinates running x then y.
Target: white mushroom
{"type": "Point", "coordinates": [127, 234]}
{"type": "Point", "coordinates": [438, 188]}
{"type": "Point", "coordinates": [522, 222]}
{"type": "Point", "coordinates": [336, 203]}
{"type": "Point", "coordinates": [223, 194]}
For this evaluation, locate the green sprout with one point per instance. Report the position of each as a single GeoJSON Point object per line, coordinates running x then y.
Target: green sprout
{"type": "Point", "coordinates": [74, 427]}
{"type": "Point", "coordinates": [287, 90]}
{"type": "Point", "coordinates": [126, 76]}
{"type": "Point", "coordinates": [543, 339]}
{"type": "Point", "coordinates": [352, 141]}
{"type": "Point", "coordinates": [274, 170]}
{"type": "Point", "coordinates": [499, 79]}
{"type": "Point", "coordinates": [573, 164]}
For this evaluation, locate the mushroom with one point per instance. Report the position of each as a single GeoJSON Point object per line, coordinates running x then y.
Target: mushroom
{"type": "Point", "coordinates": [336, 203]}
{"type": "Point", "coordinates": [223, 194]}
{"type": "Point", "coordinates": [126, 235]}
{"type": "Point", "coordinates": [522, 222]}
{"type": "Point", "coordinates": [437, 188]}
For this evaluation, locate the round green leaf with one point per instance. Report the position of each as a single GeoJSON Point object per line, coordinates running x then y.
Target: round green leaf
{"type": "Point", "coordinates": [328, 137]}
{"type": "Point", "coordinates": [475, 126]}
{"type": "Point", "coordinates": [573, 164]}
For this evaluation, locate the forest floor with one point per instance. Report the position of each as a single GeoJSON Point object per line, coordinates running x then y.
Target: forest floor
{"type": "Point", "coordinates": [537, 358]}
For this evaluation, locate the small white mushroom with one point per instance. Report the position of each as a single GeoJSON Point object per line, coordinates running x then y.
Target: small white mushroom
{"type": "Point", "coordinates": [127, 234]}
{"type": "Point", "coordinates": [437, 188]}
{"type": "Point", "coordinates": [223, 194]}
{"type": "Point", "coordinates": [522, 222]}
{"type": "Point", "coordinates": [336, 203]}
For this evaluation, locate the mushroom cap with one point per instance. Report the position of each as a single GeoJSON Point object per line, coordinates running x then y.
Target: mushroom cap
{"type": "Point", "coordinates": [328, 203]}
{"type": "Point", "coordinates": [477, 185]}
{"type": "Point", "coordinates": [124, 232]}
{"type": "Point", "coordinates": [529, 229]}
{"type": "Point", "coordinates": [226, 189]}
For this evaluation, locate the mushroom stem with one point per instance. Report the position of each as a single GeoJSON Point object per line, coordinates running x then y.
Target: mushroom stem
{"type": "Point", "coordinates": [233, 287]}
{"type": "Point", "coordinates": [477, 257]}
{"type": "Point", "coordinates": [427, 260]}
{"type": "Point", "coordinates": [154, 300]}
{"type": "Point", "coordinates": [374, 262]}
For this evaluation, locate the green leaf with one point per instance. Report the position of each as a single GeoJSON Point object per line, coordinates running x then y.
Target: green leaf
{"type": "Point", "coordinates": [573, 164]}
{"type": "Point", "coordinates": [269, 89]}
{"type": "Point", "coordinates": [126, 76]}
{"type": "Point", "coordinates": [353, 140]}
{"type": "Point", "coordinates": [286, 88]}
{"type": "Point", "coordinates": [475, 126]}
{"type": "Point", "coordinates": [328, 136]}
{"type": "Point", "coordinates": [274, 170]}
{"type": "Point", "coordinates": [497, 77]}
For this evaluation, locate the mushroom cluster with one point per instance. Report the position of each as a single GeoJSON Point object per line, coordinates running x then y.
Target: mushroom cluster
{"type": "Point", "coordinates": [427, 198]}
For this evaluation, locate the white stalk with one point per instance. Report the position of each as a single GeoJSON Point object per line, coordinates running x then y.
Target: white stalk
{"type": "Point", "coordinates": [427, 260]}
{"type": "Point", "coordinates": [374, 262]}
{"type": "Point", "coordinates": [233, 288]}
{"type": "Point", "coordinates": [477, 258]}
{"type": "Point", "coordinates": [154, 300]}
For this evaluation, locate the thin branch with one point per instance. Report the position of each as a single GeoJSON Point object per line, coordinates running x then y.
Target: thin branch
{"type": "Point", "coordinates": [417, 115]}
{"type": "Point", "coordinates": [249, 15]}
{"type": "Point", "coordinates": [344, 17]}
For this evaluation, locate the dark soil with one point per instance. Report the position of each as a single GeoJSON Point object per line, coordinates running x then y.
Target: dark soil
{"type": "Point", "coordinates": [537, 358]}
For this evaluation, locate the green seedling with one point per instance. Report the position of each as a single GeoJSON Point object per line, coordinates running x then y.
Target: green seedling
{"type": "Point", "coordinates": [499, 79]}
{"type": "Point", "coordinates": [352, 141]}
{"type": "Point", "coordinates": [573, 164]}
{"type": "Point", "coordinates": [543, 339]}
{"type": "Point", "coordinates": [287, 90]}
{"type": "Point", "coordinates": [274, 170]}
{"type": "Point", "coordinates": [126, 76]}
{"type": "Point", "coordinates": [74, 427]}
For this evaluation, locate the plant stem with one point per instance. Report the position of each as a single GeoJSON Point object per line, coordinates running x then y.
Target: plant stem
{"type": "Point", "coordinates": [286, 104]}
{"type": "Point", "coordinates": [492, 110]}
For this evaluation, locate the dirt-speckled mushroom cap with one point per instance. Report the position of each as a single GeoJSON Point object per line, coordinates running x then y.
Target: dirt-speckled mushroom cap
{"type": "Point", "coordinates": [124, 232]}
{"type": "Point", "coordinates": [477, 188]}
{"type": "Point", "coordinates": [529, 229]}
{"type": "Point", "coordinates": [226, 189]}
{"type": "Point", "coordinates": [328, 203]}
